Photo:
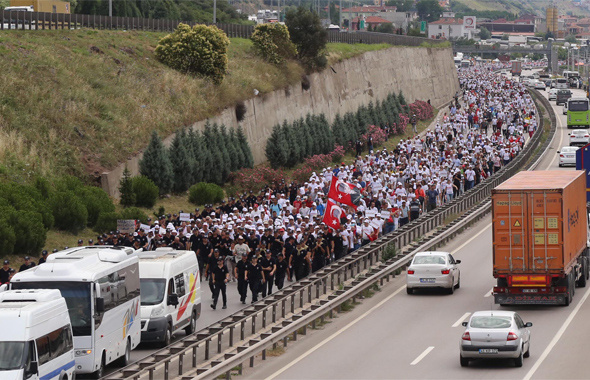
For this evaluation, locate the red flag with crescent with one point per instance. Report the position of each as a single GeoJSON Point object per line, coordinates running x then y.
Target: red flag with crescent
{"type": "Point", "coordinates": [333, 214]}
{"type": "Point", "coordinates": [344, 192]}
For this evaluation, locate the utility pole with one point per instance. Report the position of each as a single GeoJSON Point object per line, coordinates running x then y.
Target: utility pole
{"type": "Point", "coordinates": [214, 11]}
{"type": "Point", "coordinates": [110, 8]}
{"type": "Point", "coordinates": [340, 15]}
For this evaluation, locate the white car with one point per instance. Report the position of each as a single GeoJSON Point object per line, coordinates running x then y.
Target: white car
{"type": "Point", "coordinates": [433, 270]}
{"type": "Point", "coordinates": [538, 85]}
{"type": "Point", "coordinates": [495, 334]}
{"type": "Point", "coordinates": [579, 138]}
{"type": "Point", "coordinates": [567, 155]}
{"type": "Point", "coordinates": [552, 94]}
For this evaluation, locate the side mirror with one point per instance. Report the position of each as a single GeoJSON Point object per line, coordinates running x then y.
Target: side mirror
{"type": "Point", "coordinates": [99, 307]}
{"type": "Point", "coordinates": [464, 324]}
{"type": "Point", "coordinates": [457, 261]}
{"type": "Point", "coordinates": [558, 152]}
{"type": "Point", "coordinates": [3, 288]}
{"type": "Point", "coordinates": [528, 324]}
{"type": "Point", "coordinates": [173, 299]}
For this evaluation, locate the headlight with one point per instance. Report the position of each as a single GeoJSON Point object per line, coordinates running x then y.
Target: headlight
{"type": "Point", "coordinates": [158, 311]}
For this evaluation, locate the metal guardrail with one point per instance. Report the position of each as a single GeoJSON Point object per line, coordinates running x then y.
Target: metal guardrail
{"type": "Point", "coordinates": [313, 292]}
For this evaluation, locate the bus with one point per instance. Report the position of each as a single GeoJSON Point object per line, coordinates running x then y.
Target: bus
{"type": "Point", "coordinates": [102, 291]}
{"type": "Point", "coordinates": [570, 74]}
{"type": "Point", "coordinates": [578, 112]}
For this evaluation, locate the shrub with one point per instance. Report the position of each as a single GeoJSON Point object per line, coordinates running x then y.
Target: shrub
{"type": "Point", "coordinates": [272, 42]}
{"type": "Point", "coordinates": [126, 189]}
{"type": "Point", "coordinates": [107, 221]}
{"type": "Point", "coordinates": [69, 211]}
{"type": "Point", "coordinates": [308, 35]}
{"type": "Point", "coordinates": [7, 237]}
{"type": "Point", "coordinates": [155, 164]}
{"type": "Point", "coordinates": [96, 201]}
{"type": "Point", "coordinates": [134, 213]}
{"type": "Point", "coordinates": [145, 190]}
{"type": "Point", "coordinates": [200, 50]}
{"type": "Point", "coordinates": [28, 226]}
{"type": "Point", "coordinates": [203, 193]}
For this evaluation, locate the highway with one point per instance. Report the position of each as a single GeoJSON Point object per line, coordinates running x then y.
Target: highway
{"type": "Point", "coordinates": [395, 335]}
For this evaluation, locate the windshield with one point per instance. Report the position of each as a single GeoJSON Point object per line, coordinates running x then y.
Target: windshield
{"type": "Point", "coordinates": [11, 355]}
{"type": "Point", "coordinates": [77, 296]}
{"type": "Point", "coordinates": [429, 260]}
{"type": "Point", "coordinates": [569, 149]}
{"type": "Point", "coordinates": [152, 291]}
{"type": "Point", "coordinates": [491, 322]}
{"type": "Point", "coordinates": [578, 105]}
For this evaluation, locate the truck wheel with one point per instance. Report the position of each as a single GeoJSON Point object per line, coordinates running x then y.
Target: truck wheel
{"type": "Point", "coordinates": [167, 337]}
{"type": "Point", "coordinates": [126, 358]}
{"type": "Point", "coordinates": [582, 279]}
{"type": "Point", "coordinates": [100, 371]}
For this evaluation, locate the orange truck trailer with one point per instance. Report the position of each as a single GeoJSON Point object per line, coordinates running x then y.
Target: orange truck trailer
{"type": "Point", "coordinates": [540, 234]}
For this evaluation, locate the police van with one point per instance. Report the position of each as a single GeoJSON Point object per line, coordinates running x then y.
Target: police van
{"type": "Point", "coordinates": [36, 340]}
{"type": "Point", "coordinates": [100, 285]}
{"type": "Point", "coordinates": [170, 293]}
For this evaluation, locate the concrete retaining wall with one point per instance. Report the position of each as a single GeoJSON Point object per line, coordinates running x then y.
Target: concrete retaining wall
{"type": "Point", "coordinates": [420, 73]}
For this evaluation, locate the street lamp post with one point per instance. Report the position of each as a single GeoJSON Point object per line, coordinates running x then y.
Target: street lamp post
{"type": "Point", "coordinates": [214, 11]}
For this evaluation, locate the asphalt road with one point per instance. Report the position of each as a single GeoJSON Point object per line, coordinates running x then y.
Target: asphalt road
{"type": "Point", "coordinates": [395, 335]}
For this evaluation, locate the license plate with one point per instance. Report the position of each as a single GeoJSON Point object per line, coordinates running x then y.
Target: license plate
{"type": "Point", "coordinates": [427, 280]}
{"type": "Point", "coordinates": [530, 290]}
{"type": "Point", "coordinates": [569, 155]}
{"type": "Point", "coordinates": [578, 119]}
{"type": "Point", "coordinates": [488, 350]}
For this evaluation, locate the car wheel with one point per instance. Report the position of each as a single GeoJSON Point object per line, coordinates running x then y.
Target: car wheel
{"type": "Point", "coordinates": [126, 358]}
{"type": "Point", "coordinates": [528, 351]}
{"type": "Point", "coordinates": [192, 326]}
{"type": "Point", "coordinates": [518, 360]}
{"type": "Point", "coordinates": [464, 361]}
{"type": "Point", "coordinates": [409, 290]}
{"type": "Point", "coordinates": [458, 283]}
{"type": "Point", "coordinates": [167, 337]}
{"type": "Point", "coordinates": [451, 290]}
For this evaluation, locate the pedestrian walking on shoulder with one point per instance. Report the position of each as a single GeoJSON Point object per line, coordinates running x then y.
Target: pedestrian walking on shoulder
{"type": "Point", "coordinates": [220, 276]}
{"type": "Point", "coordinates": [240, 274]}
{"type": "Point", "coordinates": [414, 121]}
{"type": "Point", "coordinates": [269, 267]}
{"type": "Point", "coordinates": [281, 272]}
{"type": "Point", "coordinates": [255, 277]}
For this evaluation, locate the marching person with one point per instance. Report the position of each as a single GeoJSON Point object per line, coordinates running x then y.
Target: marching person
{"type": "Point", "coordinates": [240, 274]}
{"type": "Point", "coordinates": [220, 277]}
{"type": "Point", "coordinates": [255, 277]}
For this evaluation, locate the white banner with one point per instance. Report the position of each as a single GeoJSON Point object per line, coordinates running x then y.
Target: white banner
{"type": "Point", "coordinates": [126, 226]}
{"type": "Point", "coordinates": [469, 22]}
{"type": "Point", "coordinates": [185, 217]}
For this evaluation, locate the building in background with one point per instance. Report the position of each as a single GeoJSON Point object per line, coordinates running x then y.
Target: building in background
{"type": "Point", "coordinates": [50, 6]}
{"type": "Point", "coordinates": [552, 16]}
{"type": "Point", "coordinates": [448, 28]}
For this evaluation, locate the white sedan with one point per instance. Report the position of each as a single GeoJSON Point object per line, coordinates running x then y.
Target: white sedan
{"type": "Point", "coordinates": [567, 155]}
{"type": "Point", "coordinates": [539, 85]}
{"type": "Point", "coordinates": [433, 270]}
{"type": "Point", "coordinates": [579, 138]}
{"type": "Point", "coordinates": [495, 334]}
{"type": "Point", "coordinates": [552, 94]}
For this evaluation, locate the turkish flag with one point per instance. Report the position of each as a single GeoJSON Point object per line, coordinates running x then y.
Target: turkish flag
{"type": "Point", "coordinates": [344, 192]}
{"type": "Point", "coordinates": [333, 214]}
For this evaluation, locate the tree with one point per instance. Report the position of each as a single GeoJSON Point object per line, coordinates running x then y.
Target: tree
{"type": "Point", "coordinates": [308, 34]}
{"type": "Point", "coordinates": [272, 42]}
{"type": "Point", "coordinates": [334, 14]}
{"type": "Point", "coordinates": [156, 164]}
{"type": "Point", "coordinates": [200, 50]}
{"type": "Point", "coordinates": [484, 33]}
{"type": "Point", "coordinates": [402, 5]}
{"type": "Point", "coordinates": [246, 151]}
{"type": "Point", "coordinates": [429, 10]}
{"type": "Point", "coordinates": [181, 163]}
{"type": "Point", "coordinates": [571, 39]}
{"type": "Point", "coordinates": [386, 27]}
{"type": "Point", "coordinates": [126, 189]}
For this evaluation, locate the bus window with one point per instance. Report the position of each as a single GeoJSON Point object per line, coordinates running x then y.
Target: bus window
{"type": "Point", "coordinates": [577, 105]}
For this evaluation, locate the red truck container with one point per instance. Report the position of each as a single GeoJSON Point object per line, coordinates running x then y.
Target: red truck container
{"type": "Point", "coordinates": [540, 233]}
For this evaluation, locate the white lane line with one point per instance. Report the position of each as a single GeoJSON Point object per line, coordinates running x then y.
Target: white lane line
{"type": "Point", "coordinates": [557, 337]}
{"type": "Point", "coordinates": [489, 293]}
{"type": "Point", "coordinates": [470, 240]}
{"type": "Point", "coordinates": [560, 131]}
{"type": "Point", "coordinates": [422, 355]}
{"type": "Point", "coordinates": [456, 324]}
{"type": "Point", "coordinates": [312, 350]}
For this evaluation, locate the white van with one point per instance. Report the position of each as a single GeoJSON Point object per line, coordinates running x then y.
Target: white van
{"type": "Point", "coordinates": [36, 340]}
{"type": "Point", "coordinates": [170, 293]}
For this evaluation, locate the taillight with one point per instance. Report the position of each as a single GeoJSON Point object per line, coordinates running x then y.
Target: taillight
{"type": "Point", "coordinates": [411, 271]}
{"type": "Point", "coordinates": [562, 156]}
{"type": "Point", "coordinates": [512, 336]}
{"type": "Point", "coordinates": [586, 135]}
{"type": "Point", "coordinates": [445, 271]}
{"type": "Point", "coordinates": [466, 336]}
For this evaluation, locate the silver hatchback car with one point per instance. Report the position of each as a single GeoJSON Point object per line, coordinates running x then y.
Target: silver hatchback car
{"type": "Point", "coordinates": [494, 334]}
{"type": "Point", "coordinates": [433, 270]}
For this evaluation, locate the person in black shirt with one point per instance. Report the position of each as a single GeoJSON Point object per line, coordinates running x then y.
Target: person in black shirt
{"type": "Point", "coordinates": [176, 244]}
{"type": "Point", "coordinates": [299, 261]}
{"type": "Point", "coordinates": [43, 257]}
{"type": "Point", "coordinates": [240, 273]}
{"type": "Point", "coordinates": [338, 244]}
{"type": "Point", "coordinates": [27, 265]}
{"type": "Point", "coordinates": [281, 271]}
{"type": "Point", "coordinates": [195, 240]}
{"type": "Point", "coordinates": [203, 253]}
{"type": "Point", "coordinates": [269, 267]}
{"type": "Point", "coordinates": [319, 255]}
{"type": "Point", "coordinates": [266, 239]}
{"type": "Point", "coordinates": [255, 277]}
{"type": "Point", "coordinates": [5, 272]}
{"type": "Point", "coordinates": [220, 276]}
{"type": "Point", "coordinates": [276, 245]}
{"type": "Point", "coordinates": [211, 264]}
{"type": "Point", "coordinates": [289, 250]}
{"type": "Point", "coordinates": [253, 241]}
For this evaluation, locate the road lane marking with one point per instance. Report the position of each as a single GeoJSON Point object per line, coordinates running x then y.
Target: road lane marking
{"type": "Point", "coordinates": [312, 350]}
{"type": "Point", "coordinates": [558, 118]}
{"type": "Point", "coordinates": [422, 355]}
{"type": "Point", "coordinates": [470, 240]}
{"type": "Point", "coordinates": [456, 324]}
{"type": "Point", "coordinates": [489, 293]}
{"type": "Point", "coordinates": [557, 337]}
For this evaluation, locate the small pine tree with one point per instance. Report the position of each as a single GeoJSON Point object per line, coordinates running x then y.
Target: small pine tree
{"type": "Point", "coordinates": [337, 130]}
{"type": "Point", "coordinates": [230, 142]}
{"type": "Point", "coordinates": [327, 136]}
{"type": "Point", "coordinates": [156, 164]}
{"type": "Point", "coordinates": [181, 164]}
{"type": "Point", "coordinates": [246, 151]}
{"type": "Point", "coordinates": [223, 144]}
{"type": "Point", "coordinates": [277, 149]}
{"type": "Point", "coordinates": [292, 144]}
{"type": "Point", "coordinates": [235, 142]}
{"type": "Point", "coordinates": [194, 138]}
{"type": "Point", "coordinates": [126, 189]}
{"type": "Point", "coordinates": [402, 99]}
{"type": "Point", "coordinates": [311, 127]}
{"type": "Point", "coordinates": [307, 136]}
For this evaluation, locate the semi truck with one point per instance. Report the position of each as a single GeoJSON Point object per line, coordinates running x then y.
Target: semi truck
{"type": "Point", "coordinates": [516, 68]}
{"type": "Point", "coordinates": [540, 234]}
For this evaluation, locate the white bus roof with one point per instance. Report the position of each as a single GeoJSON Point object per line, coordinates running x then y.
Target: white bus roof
{"type": "Point", "coordinates": [578, 98]}
{"type": "Point", "coordinates": [83, 264]}
{"type": "Point", "coordinates": [163, 262]}
{"type": "Point", "coordinates": [21, 310]}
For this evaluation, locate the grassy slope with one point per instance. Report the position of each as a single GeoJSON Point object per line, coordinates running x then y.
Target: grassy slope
{"type": "Point", "coordinates": [82, 101]}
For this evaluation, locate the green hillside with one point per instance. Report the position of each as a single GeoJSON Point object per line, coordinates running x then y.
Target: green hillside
{"type": "Point", "coordinates": [518, 7]}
